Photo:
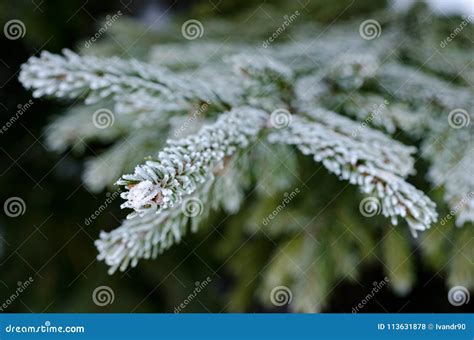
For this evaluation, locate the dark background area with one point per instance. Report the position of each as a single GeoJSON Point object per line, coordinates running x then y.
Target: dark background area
{"type": "Point", "coordinates": [50, 242]}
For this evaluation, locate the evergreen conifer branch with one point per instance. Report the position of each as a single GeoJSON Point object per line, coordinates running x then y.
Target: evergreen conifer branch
{"type": "Point", "coordinates": [217, 100]}
{"type": "Point", "coordinates": [409, 84]}
{"type": "Point", "coordinates": [76, 128]}
{"type": "Point", "coordinates": [184, 164]}
{"type": "Point", "coordinates": [451, 152]}
{"type": "Point", "coordinates": [143, 237]}
{"type": "Point", "coordinates": [72, 76]}
{"type": "Point", "coordinates": [147, 235]}
{"type": "Point", "coordinates": [367, 164]}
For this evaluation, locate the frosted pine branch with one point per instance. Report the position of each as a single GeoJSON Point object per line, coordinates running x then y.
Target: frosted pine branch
{"type": "Point", "coordinates": [176, 171]}
{"type": "Point", "coordinates": [451, 152]}
{"type": "Point", "coordinates": [265, 82]}
{"type": "Point", "coordinates": [72, 76]}
{"type": "Point", "coordinates": [76, 127]}
{"type": "Point", "coordinates": [409, 84]}
{"type": "Point", "coordinates": [376, 168]}
{"type": "Point", "coordinates": [384, 152]}
{"type": "Point", "coordinates": [103, 170]}
{"type": "Point", "coordinates": [144, 237]}
{"type": "Point", "coordinates": [351, 71]}
{"type": "Point", "coordinates": [374, 110]}
{"type": "Point", "coordinates": [194, 54]}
